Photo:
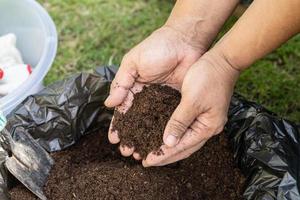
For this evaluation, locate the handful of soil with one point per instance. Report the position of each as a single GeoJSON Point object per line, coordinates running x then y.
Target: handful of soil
{"type": "Point", "coordinates": [142, 126]}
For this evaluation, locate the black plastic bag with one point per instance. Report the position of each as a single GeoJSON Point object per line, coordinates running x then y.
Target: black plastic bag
{"type": "Point", "coordinates": [266, 148]}
{"type": "Point", "coordinates": [61, 113]}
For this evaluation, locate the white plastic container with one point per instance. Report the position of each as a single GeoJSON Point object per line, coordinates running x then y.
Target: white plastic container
{"type": "Point", "coordinates": [37, 41]}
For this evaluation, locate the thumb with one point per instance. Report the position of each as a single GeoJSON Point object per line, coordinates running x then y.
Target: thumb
{"type": "Point", "coordinates": [123, 81]}
{"type": "Point", "coordinates": [181, 119]}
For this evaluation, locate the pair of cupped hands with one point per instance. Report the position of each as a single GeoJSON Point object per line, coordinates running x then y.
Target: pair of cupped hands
{"type": "Point", "coordinates": [204, 78]}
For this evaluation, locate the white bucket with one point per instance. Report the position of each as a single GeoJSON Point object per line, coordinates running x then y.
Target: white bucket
{"type": "Point", "coordinates": [37, 41]}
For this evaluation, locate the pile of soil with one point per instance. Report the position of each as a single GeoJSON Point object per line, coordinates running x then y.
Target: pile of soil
{"type": "Point", "coordinates": [93, 169]}
{"type": "Point", "coordinates": [148, 116]}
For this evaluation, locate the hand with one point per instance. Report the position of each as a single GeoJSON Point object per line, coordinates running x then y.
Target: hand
{"type": "Point", "coordinates": [202, 113]}
{"type": "Point", "coordinates": [164, 57]}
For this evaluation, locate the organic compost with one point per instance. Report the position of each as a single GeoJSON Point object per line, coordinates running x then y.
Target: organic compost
{"type": "Point", "coordinates": [142, 125]}
{"type": "Point", "coordinates": [93, 169]}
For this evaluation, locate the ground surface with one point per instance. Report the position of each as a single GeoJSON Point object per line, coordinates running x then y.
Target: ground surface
{"type": "Point", "coordinates": [93, 169]}
{"type": "Point", "coordinates": [96, 32]}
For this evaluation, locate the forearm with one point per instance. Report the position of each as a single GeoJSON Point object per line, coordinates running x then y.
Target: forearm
{"type": "Point", "coordinates": [200, 20]}
{"type": "Point", "coordinates": [264, 26]}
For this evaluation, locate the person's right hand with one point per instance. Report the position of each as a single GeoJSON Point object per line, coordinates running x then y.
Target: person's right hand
{"type": "Point", "coordinates": [164, 57]}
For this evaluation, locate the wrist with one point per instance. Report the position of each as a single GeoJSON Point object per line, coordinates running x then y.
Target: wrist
{"type": "Point", "coordinates": [232, 55]}
{"type": "Point", "coordinates": [200, 21]}
{"type": "Point", "coordinates": [190, 30]}
{"type": "Point", "coordinates": [222, 65]}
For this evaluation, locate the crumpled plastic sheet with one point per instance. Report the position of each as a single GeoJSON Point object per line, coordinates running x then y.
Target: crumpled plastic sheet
{"type": "Point", "coordinates": [66, 110]}
{"type": "Point", "coordinates": [266, 147]}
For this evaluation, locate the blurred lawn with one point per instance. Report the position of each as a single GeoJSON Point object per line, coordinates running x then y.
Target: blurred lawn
{"type": "Point", "coordinates": [97, 32]}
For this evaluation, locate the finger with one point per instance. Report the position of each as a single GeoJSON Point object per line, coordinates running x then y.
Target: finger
{"type": "Point", "coordinates": [198, 130]}
{"type": "Point", "coordinates": [208, 125]}
{"type": "Point", "coordinates": [126, 151]}
{"type": "Point", "coordinates": [123, 81]}
{"type": "Point", "coordinates": [188, 141]}
{"type": "Point", "coordinates": [182, 155]}
{"type": "Point", "coordinates": [113, 134]}
{"type": "Point", "coordinates": [137, 156]}
{"type": "Point", "coordinates": [153, 159]}
{"type": "Point", "coordinates": [113, 137]}
{"type": "Point", "coordinates": [181, 119]}
{"type": "Point", "coordinates": [137, 87]}
{"type": "Point", "coordinates": [127, 103]}
{"type": "Point", "coordinates": [198, 133]}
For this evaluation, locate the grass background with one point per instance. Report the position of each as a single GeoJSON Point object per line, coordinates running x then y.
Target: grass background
{"type": "Point", "coordinates": [98, 32]}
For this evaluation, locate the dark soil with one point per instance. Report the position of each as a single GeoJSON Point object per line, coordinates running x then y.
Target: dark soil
{"type": "Point", "coordinates": [142, 126]}
{"type": "Point", "coordinates": [94, 170]}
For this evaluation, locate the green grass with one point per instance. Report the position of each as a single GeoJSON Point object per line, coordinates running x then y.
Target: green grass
{"type": "Point", "coordinates": [94, 32]}
{"type": "Point", "coordinates": [97, 32]}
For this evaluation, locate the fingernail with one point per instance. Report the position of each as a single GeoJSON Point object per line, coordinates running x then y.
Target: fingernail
{"type": "Point", "coordinates": [106, 100]}
{"type": "Point", "coordinates": [146, 164]}
{"type": "Point", "coordinates": [171, 140]}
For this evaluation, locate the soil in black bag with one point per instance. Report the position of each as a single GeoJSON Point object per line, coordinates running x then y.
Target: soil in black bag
{"type": "Point", "coordinates": [93, 169]}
